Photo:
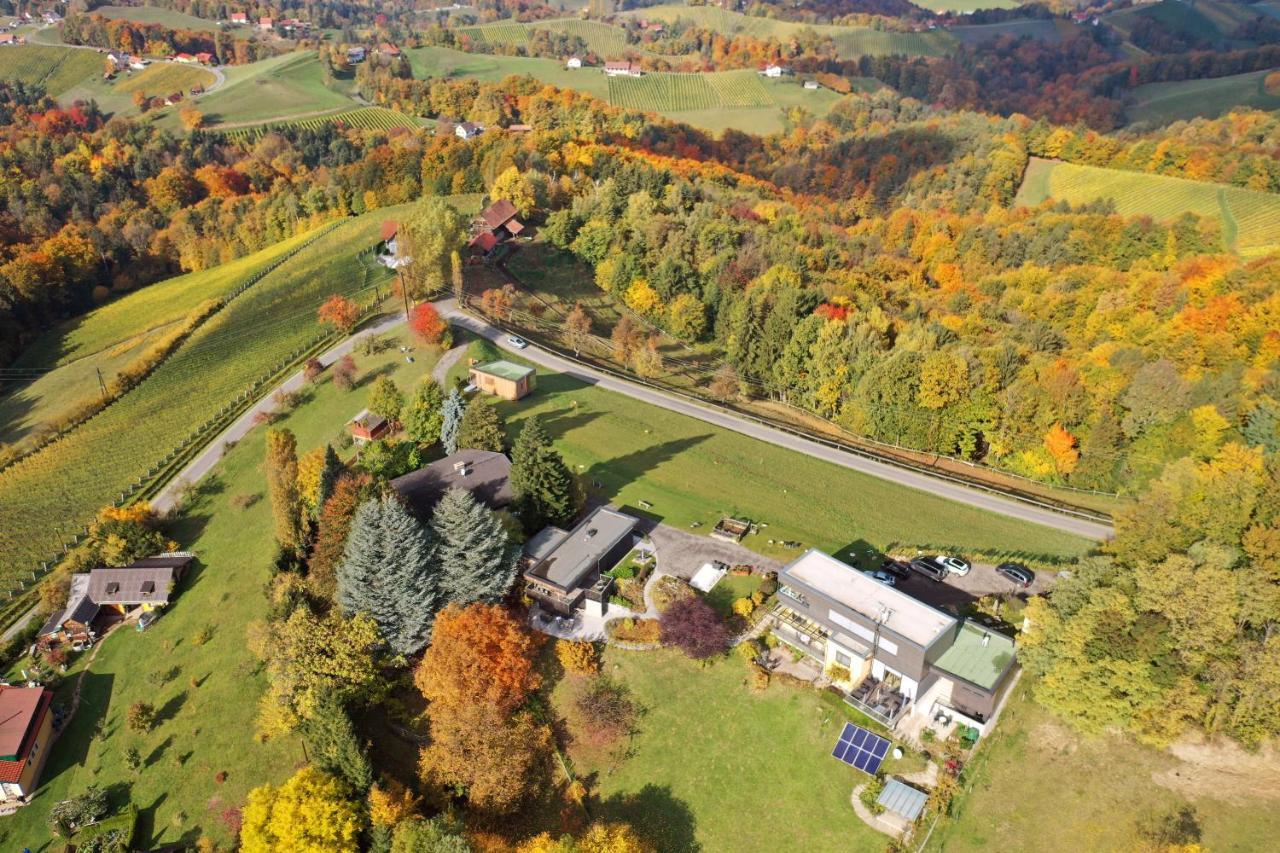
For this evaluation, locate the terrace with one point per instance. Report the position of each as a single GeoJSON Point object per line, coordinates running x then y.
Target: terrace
{"type": "Point", "coordinates": [879, 699]}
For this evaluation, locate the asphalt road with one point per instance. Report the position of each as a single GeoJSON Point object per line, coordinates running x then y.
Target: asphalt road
{"type": "Point", "coordinates": [940, 488]}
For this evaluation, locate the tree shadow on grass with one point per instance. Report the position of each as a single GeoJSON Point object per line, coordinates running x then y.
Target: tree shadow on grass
{"type": "Point", "coordinates": [158, 753]}
{"type": "Point", "coordinates": [607, 478]}
{"type": "Point", "coordinates": [664, 821]}
{"type": "Point", "coordinates": [170, 709]}
{"type": "Point", "coordinates": [145, 829]}
{"type": "Point", "coordinates": [72, 747]}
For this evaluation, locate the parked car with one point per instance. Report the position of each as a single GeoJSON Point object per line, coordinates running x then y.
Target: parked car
{"type": "Point", "coordinates": [1018, 573]}
{"type": "Point", "coordinates": [954, 565]}
{"type": "Point", "coordinates": [885, 578]}
{"type": "Point", "coordinates": [929, 569]}
{"type": "Point", "coordinates": [517, 342]}
{"type": "Point", "coordinates": [146, 620]}
{"type": "Point", "coordinates": [896, 568]}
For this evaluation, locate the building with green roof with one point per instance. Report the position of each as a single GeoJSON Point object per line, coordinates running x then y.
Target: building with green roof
{"type": "Point", "coordinates": [504, 379]}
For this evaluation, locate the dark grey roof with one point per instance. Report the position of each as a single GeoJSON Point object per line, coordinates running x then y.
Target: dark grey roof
{"type": "Point", "coordinates": [902, 799]}
{"type": "Point", "coordinates": [544, 542]}
{"type": "Point", "coordinates": [131, 585]}
{"type": "Point", "coordinates": [482, 472]}
{"type": "Point", "coordinates": [577, 553]}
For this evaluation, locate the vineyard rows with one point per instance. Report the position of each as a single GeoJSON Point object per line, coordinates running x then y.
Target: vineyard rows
{"type": "Point", "coordinates": [604, 40]}
{"type": "Point", "coordinates": [367, 118]}
{"type": "Point", "coordinates": [677, 92]}
{"type": "Point", "coordinates": [51, 495]}
{"type": "Point", "coordinates": [498, 34]}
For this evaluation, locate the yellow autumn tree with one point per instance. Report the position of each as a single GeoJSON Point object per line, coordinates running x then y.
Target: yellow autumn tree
{"type": "Point", "coordinates": [310, 469]}
{"type": "Point", "coordinates": [642, 297]}
{"type": "Point", "coordinates": [599, 838]}
{"type": "Point", "coordinates": [578, 656]}
{"type": "Point", "coordinates": [1062, 447]}
{"type": "Point", "coordinates": [515, 188]}
{"type": "Point", "coordinates": [307, 814]}
{"type": "Point", "coordinates": [391, 802]}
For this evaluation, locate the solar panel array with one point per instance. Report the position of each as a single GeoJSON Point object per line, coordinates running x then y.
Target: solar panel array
{"type": "Point", "coordinates": [863, 749]}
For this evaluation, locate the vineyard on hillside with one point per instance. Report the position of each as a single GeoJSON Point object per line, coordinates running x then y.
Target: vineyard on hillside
{"type": "Point", "coordinates": [55, 68]}
{"type": "Point", "coordinates": [680, 92]}
{"type": "Point", "coordinates": [367, 118]}
{"type": "Point", "coordinates": [1250, 220]}
{"type": "Point", "coordinates": [604, 40]}
{"type": "Point", "coordinates": [498, 34]}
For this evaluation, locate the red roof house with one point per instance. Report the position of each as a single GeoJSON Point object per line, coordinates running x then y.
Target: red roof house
{"type": "Point", "coordinates": [366, 427]}
{"type": "Point", "coordinates": [483, 243]}
{"type": "Point", "coordinates": [26, 734]}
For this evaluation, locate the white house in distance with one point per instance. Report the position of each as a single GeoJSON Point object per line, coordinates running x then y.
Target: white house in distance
{"type": "Point", "coordinates": [573, 62]}
{"type": "Point", "coordinates": [775, 71]}
{"type": "Point", "coordinates": [468, 130]}
{"type": "Point", "coordinates": [622, 68]}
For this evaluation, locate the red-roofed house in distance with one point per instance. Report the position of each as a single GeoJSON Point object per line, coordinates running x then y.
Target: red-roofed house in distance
{"type": "Point", "coordinates": [26, 732]}
{"type": "Point", "coordinates": [496, 224]}
{"type": "Point", "coordinates": [204, 58]}
{"type": "Point", "coordinates": [388, 49]}
{"type": "Point", "coordinates": [239, 18]}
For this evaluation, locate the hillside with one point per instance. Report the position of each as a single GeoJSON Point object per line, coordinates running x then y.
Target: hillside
{"type": "Point", "coordinates": [1163, 103]}
{"type": "Point", "coordinates": [57, 69]}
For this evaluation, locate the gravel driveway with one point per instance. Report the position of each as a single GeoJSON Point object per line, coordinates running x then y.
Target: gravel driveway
{"type": "Point", "coordinates": [681, 553]}
{"type": "Point", "coordinates": [960, 591]}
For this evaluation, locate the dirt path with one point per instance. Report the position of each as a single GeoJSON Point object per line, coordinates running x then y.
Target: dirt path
{"type": "Point", "coordinates": [451, 357]}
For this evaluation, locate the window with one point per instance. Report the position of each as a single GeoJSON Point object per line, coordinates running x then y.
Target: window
{"type": "Point", "coordinates": [844, 660]}
{"type": "Point", "coordinates": [791, 593]}
{"type": "Point", "coordinates": [845, 622]}
{"type": "Point", "coordinates": [889, 646]}
{"type": "Point", "coordinates": [148, 587]}
{"type": "Point", "coordinates": [113, 588]}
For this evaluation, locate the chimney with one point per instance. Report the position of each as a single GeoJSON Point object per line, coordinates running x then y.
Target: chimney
{"type": "Point", "coordinates": [462, 469]}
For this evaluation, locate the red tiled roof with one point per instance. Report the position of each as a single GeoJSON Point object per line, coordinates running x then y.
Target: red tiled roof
{"type": "Point", "coordinates": [389, 229]}
{"type": "Point", "coordinates": [22, 710]}
{"type": "Point", "coordinates": [498, 213]}
{"type": "Point", "coordinates": [514, 227]}
{"type": "Point", "coordinates": [484, 241]}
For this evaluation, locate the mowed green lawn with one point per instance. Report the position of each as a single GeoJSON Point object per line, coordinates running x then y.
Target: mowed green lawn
{"type": "Point", "coordinates": [1163, 103]}
{"type": "Point", "coordinates": [1040, 786]}
{"type": "Point", "coordinates": [690, 471]}
{"type": "Point", "coordinates": [207, 725]}
{"type": "Point", "coordinates": [717, 767]}
{"type": "Point", "coordinates": [1250, 220]}
{"type": "Point", "coordinates": [273, 89]}
{"type": "Point", "coordinates": [57, 69]}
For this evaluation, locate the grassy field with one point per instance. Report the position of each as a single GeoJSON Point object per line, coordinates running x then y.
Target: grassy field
{"type": "Point", "coordinates": [1044, 30]}
{"type": "Point", "coordinates": [965, 5]}
{"type": "Point", "coordinates": [112, 336]}
{"type": "Point", "coordinates": [287, 85]}
{"type": "Point", "coordinates": [851, 41]}
{"type": "Point", "coordinates": [55, 68]}
{"type": "Point", "coordinates": [691, 472]}
{"type": "Point", "coordinates": [165, 78]}
{"type": "Point", "coordinates": [1205, 19]}
{"type": "Point", "coordinates": [208, 724]}
{"type": "Point", "coordinates": [368, 118]}
{"type": "Point", "coordinates": [53, 493]}
{"type": "Point", "coordinates": [1162, 103]}
{"type": "Point", "coordinates": [715, 766]}
{"type": "Point", "coordinates": [1039, 785]}
{"type": "Point", "coordinates": [677, 92]}
{"type": "Point", "coordinates": [155, 15]}
{"type": "Point", "coordinates": [1250, 220]}
{"type": "Point", "coordinates": [443, 62]}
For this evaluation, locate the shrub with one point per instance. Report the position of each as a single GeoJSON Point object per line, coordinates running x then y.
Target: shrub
{"type": "Point", "coordinates": [578, 657]}
{"type": "Point", "coordinates": [244, 500]}
{"type": "Point", "coordinates": [344, 373]}
{"type": "Point", "coordinates": [141, 717]}
{"type": "Point", "coordinates": [692, 625]}
{"type": "Point", "coordinates": [312, 369]}
{"type": "Point", "coordinates": [220, 776]}
{"type": "Point", "coordinates": [759, 677]}
{"type": "Point", "coordinates": [606, 711]}
{"type": "Point", "coordinates": [286, 400]}
{"type": "Point", "coordinates": [768, 586]}
{"type": "Point", "coordinates": [744, 607]}
{"type": "Point", "coordinates": [636, 630]}
{"type": "Point", "coordinates": [870, 793]}
{"type": "Point", "coordinates": [55, 657]}
{"type": "Point", "coordinates": [836, 672]}
{"type": "Point", "coordinates": [202, 636]}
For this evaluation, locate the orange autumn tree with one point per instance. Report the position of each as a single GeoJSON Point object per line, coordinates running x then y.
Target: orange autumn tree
{"type": "Point", "coordinates": [479, 655]}
{"type": "Point", "coordinates": [1062, 447]}
{"type": "Point", "coordinates": [427, 324]}
{"type": "Point", "coordinates": [340, 313]}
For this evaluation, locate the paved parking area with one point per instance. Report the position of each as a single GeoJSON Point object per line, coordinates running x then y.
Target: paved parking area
{"type": "Point", "coordinates": [681, 553]}
{"type": "Point", "coordinates": [956, 592]}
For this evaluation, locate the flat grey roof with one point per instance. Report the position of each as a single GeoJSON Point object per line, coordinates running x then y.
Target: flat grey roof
{"type": "Point", "coordinates": [902, 799]}
{"type": "Point", "coordinates": [583, 547]}
{"type": "Point", "coordinates": [900, 613]}
{"type": "Point", "coordinates": [544, 542]}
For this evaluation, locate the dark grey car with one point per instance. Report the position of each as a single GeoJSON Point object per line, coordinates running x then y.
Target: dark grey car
{"type": "Point", "coordinates": [1018, 573]}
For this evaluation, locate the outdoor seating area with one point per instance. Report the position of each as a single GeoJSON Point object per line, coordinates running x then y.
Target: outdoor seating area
{"type": "Point", "coordinates": [879, 699]}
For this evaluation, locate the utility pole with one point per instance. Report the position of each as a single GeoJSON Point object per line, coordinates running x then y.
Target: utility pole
{"type": "Point", "coordinates": [101, 385]}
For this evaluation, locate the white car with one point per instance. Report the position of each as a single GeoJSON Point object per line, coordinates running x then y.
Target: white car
{"type": "Point", "coordinates": [518, 343]}
{"type": "Point", "coordinates": [954, 565]}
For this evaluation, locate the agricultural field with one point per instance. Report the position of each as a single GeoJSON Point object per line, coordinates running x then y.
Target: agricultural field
{"type": "Point", "coordinates": [111, 337]}
{"type": "Point", "coordinates": [1034, 772]}
{"type": "Point", "coordinates": [455, 64]}
{"type": "Point", "coordinates": [963, 6]}
{"type": "Point", "coordinates": [851, 41]}
{"type": "Point", "coordinates": [52, 494]}
{"type": "Point", "coordinates": [1044, 30]}
{"type": "Point", "coordinates": [1250, 220]}
{"type": "Point", "coordinates": [679, 92]}
{"type": "Point", "coordinates": [1204, 20]}
{"type": "Point", "coordinates": [367, 118]}
{"type": "Point", "coordinates": [292, 84]}
{"type": "Point", "coordinates": [207, 712]}
{"type": "Point", "coordinates": [498, 34]}
{"type": "Point", "coordinates": [165, 77]}
{"type": "Point", "coordinates": [57, 69]}
{"type": "Point", "coordinates": [1163, 103]}
{"type": "Point", "coordinates": [155, 15]}
{"type": "Point", "coordinates": [603, 39]}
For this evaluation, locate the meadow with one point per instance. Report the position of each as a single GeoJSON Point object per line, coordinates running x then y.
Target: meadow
{"type": "Point", "coordinates": [57, 69]}
{"type": "Point", "coordinates": [1044, 30]}
{"type": "Point", "coordinates": [273, 89]}
{"type": "Point", "coordinates": [111, 336]}
{"type": "Point", "coordinates": [1039, 785]}
{"type": "Point", "coordinates": [163, 78]}
{"type": "Point", "coordinates": [366, 118]}
{"type": "Point", "coordinates": [965, 5]}
{"type": "Point", "coordinates": [52, 494]}
{"type": "Point", "coordinates": [1205, 19]}
{"type": "Point", "coordinates": [850, 41]}
{"type": "Point", "coordinates": [207, 692]}
{"type": "Point", "coordinates": [1163, 103]}
{"type": "Point", "coordinates": [1250, 220]}
{"type": "Point", "coordinates": [155, 15]}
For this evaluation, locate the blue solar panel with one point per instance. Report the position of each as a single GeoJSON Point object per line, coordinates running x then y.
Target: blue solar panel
{"type": "Point", "coordinates": [860, 748]}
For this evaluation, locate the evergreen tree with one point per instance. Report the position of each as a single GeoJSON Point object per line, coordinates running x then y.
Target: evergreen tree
{"type": "Point", "coordinates": [543, 486]}
{"type": "Point", "coordinates": [329, 474]}
{"type": "Point", "coordinates": [386, 573]}
{"type": "Point", "coordinates": [450, 421]}
{"type": "Point", "coordinates": [422, 416]}
{"type": "Point", "coordinates": [333, 746]}
{"type": "Point", "coordinates": [482, 428]}
{"type": "Point", "coordinates": [475, 560]}
{"type": "Point", "coordinates": [282, 486]}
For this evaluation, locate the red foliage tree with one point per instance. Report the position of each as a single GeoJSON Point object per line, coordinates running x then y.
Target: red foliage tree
{"type": "Point", "coordinates": [340, 313]}
{"type": "Point", "coordinates": [691, 625]}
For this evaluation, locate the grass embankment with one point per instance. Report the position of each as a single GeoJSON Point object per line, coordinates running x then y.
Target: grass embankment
{"type": "Point", "coordinates": [691, 472]}
{"type": "Point", "coordinates": [207, 724]}
{"type": "Point", "coordinates": [111, 337]}
{"type": "Point", "coordinates": [1250, 220]}
{"type": "Point", "coordinates": [1163, 103]}
{"type": "Point", "coordinates": [52, 494]}
{"type": "Point", "coordinates": [57, 69]}
{"type": "Point", "coordinates": [715, 766]}
{"type": "Point", "coordinates": [1039, 785]}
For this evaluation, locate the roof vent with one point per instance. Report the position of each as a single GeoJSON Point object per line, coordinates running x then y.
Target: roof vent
{"type": "Point", "coordinates": [592, 532]}
{"type": "Point", "coordinates": [462, 469]}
